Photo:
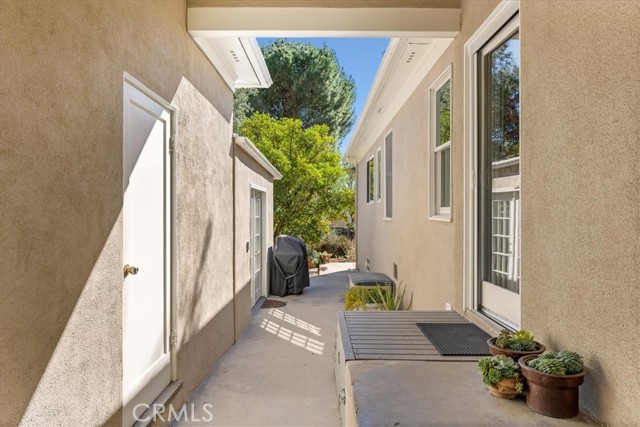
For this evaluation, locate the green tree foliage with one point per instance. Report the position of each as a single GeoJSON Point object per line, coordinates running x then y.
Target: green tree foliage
{"type": "Point", "coordinates": [315, 187]}
{"type": "Point", "coordinates": [444, 113]}
{"type": "Point", "coordinates": [505, 101]}
{"type": "Point", "coordinates": [308, 84]}
{"type": "Point", "coordinates": [241, 108]}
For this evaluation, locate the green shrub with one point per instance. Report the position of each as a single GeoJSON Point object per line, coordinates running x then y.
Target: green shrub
{"type": "Point", "coordinates": [313, 255]}
{"type": "Point", "coordinates": [357, 297]}
{"type": "Point", "coordinates": [338, 246]}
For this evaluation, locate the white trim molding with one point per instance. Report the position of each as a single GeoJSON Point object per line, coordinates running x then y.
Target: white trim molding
{"type": "Point", "coordinates": [248, 147]}
{"type": "Point", "coordinates": [436, 212]}
{"type": "Point", "coordinates": [501, 15]}
{"type": "Point", "coordinates": [238, 60]}
{"type": "Point", "coordinates": [404, 66]}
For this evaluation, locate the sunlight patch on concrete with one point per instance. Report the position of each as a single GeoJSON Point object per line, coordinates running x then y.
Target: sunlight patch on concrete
{"type": "Point", "coordinates": [279, 314]}
{"type": "Point", "coordinates": [295, 338]}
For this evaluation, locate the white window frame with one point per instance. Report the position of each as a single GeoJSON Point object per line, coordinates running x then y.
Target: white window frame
{"type": "Point", "coordinates": [437, 212]}
{"type": "Point", "coordinates": [379, 175]}
{"type": "Point", "coordinates": [505, 12]}
{"type": "Point", "coordinates": [373, 178]}
{"type": "Point", "coordinates": [386, 216]}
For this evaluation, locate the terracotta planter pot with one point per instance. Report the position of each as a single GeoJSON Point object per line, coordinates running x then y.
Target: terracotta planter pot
{"type": "Point", "coordinates": [551, 395]}
{"type": "Point", "coordinates": [514, 354]}
{"type": "Point", "coordinates": [325, 259]}
{"type": "Point", "coordinates": [505, 389]}
{"type": "Point", "coordinates": [310, 264]}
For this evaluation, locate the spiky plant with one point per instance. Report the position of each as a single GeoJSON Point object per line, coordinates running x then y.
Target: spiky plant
{"type": "Point", "coordinates": [551, 366]}
{"type": "Point", "coordinates": [557, 363]}
{"type": "Point", "coordinates": [518, 341]}
{"type": "Point", "coordinates": [572, 361]}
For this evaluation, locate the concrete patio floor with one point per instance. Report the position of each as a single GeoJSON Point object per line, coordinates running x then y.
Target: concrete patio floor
{"type": "Point", "coordinates": [280, 372]}
{"type": "Point", "coordinates": [442, 394]}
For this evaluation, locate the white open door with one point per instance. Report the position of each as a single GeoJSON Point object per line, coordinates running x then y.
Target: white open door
{"type": "Point", "coordinates": [146, 352]}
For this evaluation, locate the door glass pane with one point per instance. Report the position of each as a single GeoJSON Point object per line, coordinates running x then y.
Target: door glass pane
{"type": "Point", "coordinates": [500, 157]}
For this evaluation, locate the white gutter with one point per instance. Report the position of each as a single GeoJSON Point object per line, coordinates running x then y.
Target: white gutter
{"type": "Point", "coordinates": [248, 147]}
{"type": "Point", "coordinates": [374, 94]}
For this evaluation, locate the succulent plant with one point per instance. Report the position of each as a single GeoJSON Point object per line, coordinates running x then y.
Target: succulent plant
{"type": "Point", "coordinates": [548, 355]}
{"type": "Point", "coordinates": [551, 366]}
{"type": "Point", "coordinates": [496, 368]}
{"type": "Point", "coordinates": [519, 340]}
{"type": "Point", "coordinates": [557, 363]}
{"type": "Point", "coordinates": [572, 361]}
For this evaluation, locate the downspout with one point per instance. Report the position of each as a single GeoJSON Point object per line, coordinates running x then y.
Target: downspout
{"type": "Point", "coordinates": [233, 204]}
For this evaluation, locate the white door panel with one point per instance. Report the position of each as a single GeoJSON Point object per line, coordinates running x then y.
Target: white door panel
{"type": "Point", "coordinates": [146, 294]}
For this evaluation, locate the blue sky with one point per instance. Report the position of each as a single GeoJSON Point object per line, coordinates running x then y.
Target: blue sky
{"type": "Point", "coordinates": [360, 59]}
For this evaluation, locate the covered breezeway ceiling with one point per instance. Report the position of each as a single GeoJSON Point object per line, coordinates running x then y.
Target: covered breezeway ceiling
{"type": "Point", "coordinates": [420, 31]}
{"type": "Point", "coordinates": [226, 30]}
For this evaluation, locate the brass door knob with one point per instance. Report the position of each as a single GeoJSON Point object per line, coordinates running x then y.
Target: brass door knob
{"type": "Point", "coordinates": [129, 269]}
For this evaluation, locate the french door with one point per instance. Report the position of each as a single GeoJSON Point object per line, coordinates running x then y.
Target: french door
{"type": "Point", "coordinates": [498, 191]}
{"type": "Point", "coordinates": [256, 242]}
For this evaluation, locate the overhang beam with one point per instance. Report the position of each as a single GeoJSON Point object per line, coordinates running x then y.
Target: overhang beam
{"type": "Point", "coordinates": [322, 22]}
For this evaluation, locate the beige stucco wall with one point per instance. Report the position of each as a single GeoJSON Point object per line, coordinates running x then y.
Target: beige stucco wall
{"type": "Point", "coordinates": [581, 192]}
{"type": "Point", "coordinates": [428, 253]}
{"type": "Point", "coordinates": [249, 172]}
{"type": "Point", "coordinates": [61, 82]}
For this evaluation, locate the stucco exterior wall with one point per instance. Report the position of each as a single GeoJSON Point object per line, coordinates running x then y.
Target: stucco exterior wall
{"type": "Point", "coordinates": [580, 179]}
{"type": "Point", "coordinates": [249, 172]}
{"type": "Point", "coordinates": [61, 83]}
{"type": "Point", "coordinates": [428, 253]}
{"type": "Point", "coordinates": [581, 192]}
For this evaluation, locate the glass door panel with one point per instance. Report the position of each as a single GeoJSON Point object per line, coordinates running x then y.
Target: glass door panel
{"type": "Point", "coordinates": [499, 192]}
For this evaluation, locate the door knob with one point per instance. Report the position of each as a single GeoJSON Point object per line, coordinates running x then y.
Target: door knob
{"type": "Point", "coordinates": [129, 269]}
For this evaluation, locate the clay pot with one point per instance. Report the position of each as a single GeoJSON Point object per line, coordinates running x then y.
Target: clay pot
{"type": "Point", "coordinates": [505, 389]}
{"type": "Point", "coordinates": [551, 395]}
{"type": "Point", "coordinates": [310, 264]}
{"type": "Point", "coordinates": [514, 354]}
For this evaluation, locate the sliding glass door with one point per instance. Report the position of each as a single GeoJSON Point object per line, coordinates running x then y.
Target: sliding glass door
{"type": "Point", "coordinates": [498, 264]}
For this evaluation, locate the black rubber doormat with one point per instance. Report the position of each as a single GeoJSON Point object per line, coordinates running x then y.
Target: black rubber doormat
{"type": "Point", "coordinates": [456, 339]}
{"type": "Point", "coordinates": [271, 303]}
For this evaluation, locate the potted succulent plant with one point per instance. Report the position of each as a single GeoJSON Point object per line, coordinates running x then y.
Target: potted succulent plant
{"type": "Point", "coordinates": [502, 375]}
{"type": "Point", "coordinates": [325, 257]}
{"type": "Point", "coordinates": [313, 258]}
{"type": "Point", "coordinates": [514, 344]}
{"type": "Point", "coordinates": [553, 379]}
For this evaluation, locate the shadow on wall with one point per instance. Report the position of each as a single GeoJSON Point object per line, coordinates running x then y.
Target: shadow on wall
{"type": "Point", "coordinates": [61, 313]}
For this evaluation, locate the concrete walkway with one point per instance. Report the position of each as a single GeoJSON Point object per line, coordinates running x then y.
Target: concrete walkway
{"type": "Point", "coordinates": [280, 372]}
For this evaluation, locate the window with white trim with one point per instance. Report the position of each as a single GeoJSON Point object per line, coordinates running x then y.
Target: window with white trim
{"type": "Point", "coordinates": [370, 180]}
{"type": "Point", "coordinates": [388, 176]}
{"type": "Point", "coordinates": [440, 147]}
{"type": "Point", "coordinates": [379, 175]}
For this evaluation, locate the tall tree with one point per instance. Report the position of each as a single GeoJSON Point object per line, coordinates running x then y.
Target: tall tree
{"type": "Point", "coordinates": [308, 84]}
{"type": "Point", "coordinates": [505, 102]}
{"type": "Point", "coordinates": [315, 187]}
